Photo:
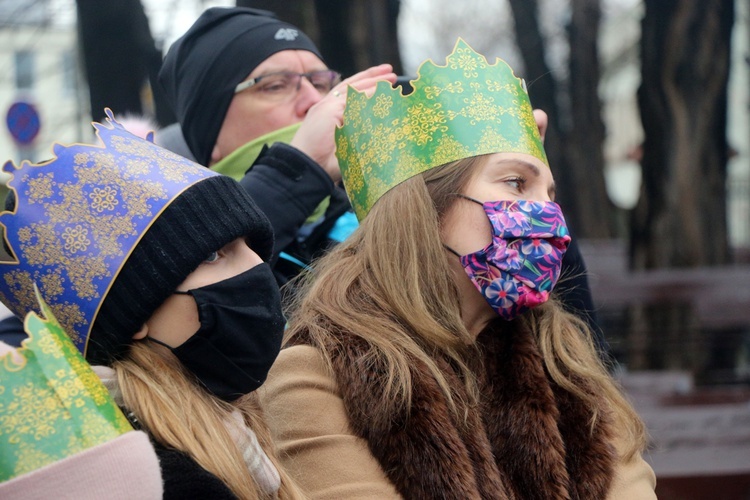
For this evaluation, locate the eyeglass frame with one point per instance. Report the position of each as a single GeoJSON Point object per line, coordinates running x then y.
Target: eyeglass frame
{"type": "Point", "coordinates": [242, 86]}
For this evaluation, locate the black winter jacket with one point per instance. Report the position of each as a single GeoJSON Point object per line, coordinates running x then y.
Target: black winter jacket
{"type": "Point", "coordinates": [287, 185]}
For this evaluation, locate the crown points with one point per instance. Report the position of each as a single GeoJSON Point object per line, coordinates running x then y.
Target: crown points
{"type": "Point", "coordinates": [466, 107]}
{"type": "Point", "coordinates": [9, 167]}
{"type": "Point", "coordinates": [59, 405]}
{"type": "Point", "coordinates": [78, 217]}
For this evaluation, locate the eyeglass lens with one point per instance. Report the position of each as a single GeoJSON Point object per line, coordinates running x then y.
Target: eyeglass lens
{"type": "Point", "coordinates": [281, 84]}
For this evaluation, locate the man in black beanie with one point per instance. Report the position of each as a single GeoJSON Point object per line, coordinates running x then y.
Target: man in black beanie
{"type": "Point", "coordinates": [224, 79]}
{"type": "Point", "coordinates": [240, 80]}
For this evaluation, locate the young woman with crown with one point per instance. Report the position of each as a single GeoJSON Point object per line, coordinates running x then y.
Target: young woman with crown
{"type": "Point", "coordinates": [426, 358]}
{"type": "Point", "coordinates": [155, 267]}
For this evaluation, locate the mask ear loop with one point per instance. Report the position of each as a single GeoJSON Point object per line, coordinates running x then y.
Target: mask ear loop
{"type": "Point", "coordinates": [469, 198]}
{"type": "Point", "coordinates": [451, 250]}
{"type": "Point", "coordinates": [459, 195]}
{"type": "Point", "coordinates": [152, 339]}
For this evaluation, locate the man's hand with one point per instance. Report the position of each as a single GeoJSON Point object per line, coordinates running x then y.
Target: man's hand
{"type": "Point", "coordinates": [315, 136]}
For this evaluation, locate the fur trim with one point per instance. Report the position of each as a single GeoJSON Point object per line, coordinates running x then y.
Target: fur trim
{"type": "Point", "coordinates": [528, 438]}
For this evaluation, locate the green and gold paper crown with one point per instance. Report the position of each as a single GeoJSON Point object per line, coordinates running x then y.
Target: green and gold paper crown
{"type": "Point", "coordinates": [52, 404]}
{"type": "Point", "coordinates": [465, 108]}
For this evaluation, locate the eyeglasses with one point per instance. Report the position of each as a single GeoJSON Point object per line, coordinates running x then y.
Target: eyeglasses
{"type": "Point", "coordinates": [278, 86]}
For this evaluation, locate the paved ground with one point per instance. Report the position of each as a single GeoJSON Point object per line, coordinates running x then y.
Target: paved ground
{"type": "Point", "coordinates": [700, 438]}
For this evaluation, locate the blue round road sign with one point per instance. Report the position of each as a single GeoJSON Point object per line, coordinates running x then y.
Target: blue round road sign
{"type": "Point", "coordinates": [23, 122]}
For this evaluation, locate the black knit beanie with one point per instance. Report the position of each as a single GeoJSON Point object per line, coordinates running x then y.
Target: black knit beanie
{"type": "Point", "coordinates": [207, 216]}
{"type": "Point", "coordinates": [203, 67]}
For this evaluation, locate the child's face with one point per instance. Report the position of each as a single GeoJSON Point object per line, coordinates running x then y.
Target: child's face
{"type": "Point", "coordinates": [176, 320]}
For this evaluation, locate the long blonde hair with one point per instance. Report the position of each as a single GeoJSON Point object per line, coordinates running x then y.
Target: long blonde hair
{"type": "Point", "coordinates": [390, 284]}
{"type": "Point", "coordinates": [179, 414]}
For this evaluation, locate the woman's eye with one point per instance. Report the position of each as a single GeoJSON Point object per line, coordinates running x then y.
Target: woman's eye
{"type": "Point", "coordinates": [212, 257]}
{"type": "Point", "coordinates": [516, 183]}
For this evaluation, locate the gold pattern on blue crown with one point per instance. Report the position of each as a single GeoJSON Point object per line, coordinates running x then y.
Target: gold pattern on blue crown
{"type": "Point", "coordinates": [78, 217]}
{"type": "Point", "coordinates": [465, 108]}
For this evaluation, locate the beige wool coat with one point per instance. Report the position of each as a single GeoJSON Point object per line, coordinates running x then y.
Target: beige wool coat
{"type": "Point", "coordinates": [318, 445]}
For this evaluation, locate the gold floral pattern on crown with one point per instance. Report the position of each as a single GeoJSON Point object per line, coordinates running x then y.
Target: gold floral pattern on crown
{"type": "Point", "coordinates": [465, 108]}
{"type": "Point", "coordinates": [78, 217]}
{"type": "Point", "coordinates": [52, 404]}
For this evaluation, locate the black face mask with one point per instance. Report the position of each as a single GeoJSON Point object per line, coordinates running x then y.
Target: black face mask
{"type": "Point", "coordinates": [240, 334]}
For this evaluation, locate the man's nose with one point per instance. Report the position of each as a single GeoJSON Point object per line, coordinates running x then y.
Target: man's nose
{"type": "Point", "coordinates": [307, 97]}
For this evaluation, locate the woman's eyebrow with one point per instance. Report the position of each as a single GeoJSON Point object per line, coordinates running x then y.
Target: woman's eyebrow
{"type": "Point", "coordinates": [551, 191]}
{"type": "Point", "coordinates": [530, 166]}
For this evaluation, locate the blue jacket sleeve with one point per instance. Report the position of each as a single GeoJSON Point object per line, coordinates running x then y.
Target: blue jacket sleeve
{"type": "Point", "coordinates": [287, 185]}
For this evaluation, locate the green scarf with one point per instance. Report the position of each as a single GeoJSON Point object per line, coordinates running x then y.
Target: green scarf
{"type": "Point", "coordinates": [235, 165]}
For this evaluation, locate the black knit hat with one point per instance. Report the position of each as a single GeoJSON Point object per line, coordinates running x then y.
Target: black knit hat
{"type": "Point", "coordinates": [203, 219]}
{"type": "Point", "coordinates": [203, 67]}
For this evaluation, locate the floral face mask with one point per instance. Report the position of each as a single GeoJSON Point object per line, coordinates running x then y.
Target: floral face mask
{"type": "Point", "coordinates": [519, 268]}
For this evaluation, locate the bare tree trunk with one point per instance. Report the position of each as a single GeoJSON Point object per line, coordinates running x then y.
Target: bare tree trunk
{"type": "Point", "coordinates": [542, 87]}
{"type": "Point", "coordinates": [336, 43]}
{"type": "Point", "coordinates": [163, 110]}
{"type": "Point", "coordinates": [586, 158]}
{"type": "Point", "coordinates": [574, 143]}
{"type": "Point", "coordinates": [352, 36]}
{"type": "Point", "coordinates": [680, 219]}
{"type": "Point", "coordinates": [382, 16]}
{"type": "Point", "coordinates": [117, 49]}
{"type": "Point", "coordinates": [300, 13]}
{"type": "Point", "coordinates": [358, 35]}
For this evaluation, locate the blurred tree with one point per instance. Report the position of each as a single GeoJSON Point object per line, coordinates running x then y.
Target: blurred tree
{"type": "Point", "coordinates": [120, 55]}
{"type": "Point", "coordinates": [680, 220]}
{"type": "Point", "coordinates": [119, 58]}
{"type": "Point", "coordinates": [595, 211]}
{"type": "Point", "coordinates": [352, 36]}
{"type": "Point", "coordinates": [334, 17]}
{"type": "Point", "coordinates": [300, 13]}
{"type": "Point", "coordinates": [573, 142]}
{"type": "Point", "coordinates": [376, 23]}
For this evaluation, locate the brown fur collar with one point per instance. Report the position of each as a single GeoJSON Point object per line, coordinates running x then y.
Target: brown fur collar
{"type": "Point", "coordinates": [530, 439]}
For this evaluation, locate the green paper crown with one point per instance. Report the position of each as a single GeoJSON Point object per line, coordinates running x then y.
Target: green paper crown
{"type": "Point", "coordinates": [52, 404]}
{"type": "Point", "coordinates": [466, 108]}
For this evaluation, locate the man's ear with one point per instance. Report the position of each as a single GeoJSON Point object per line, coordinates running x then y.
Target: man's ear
{"type": "Point", "coordinates": [215, 155]}
{"type": "Point", "coordinates": [142, 333]}
{"type": "Point", "coordinates": [542, 120]}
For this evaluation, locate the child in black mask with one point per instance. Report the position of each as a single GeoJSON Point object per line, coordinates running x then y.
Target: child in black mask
{"type": "Point", "coordinates": [156, 268]}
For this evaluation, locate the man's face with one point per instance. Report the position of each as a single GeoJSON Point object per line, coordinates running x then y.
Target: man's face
{"type": "Point", "coordinates": [252, 113]}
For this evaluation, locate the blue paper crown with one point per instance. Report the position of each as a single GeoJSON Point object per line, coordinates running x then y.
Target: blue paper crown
{"type": "Point", "coordinates": [79, 216]}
